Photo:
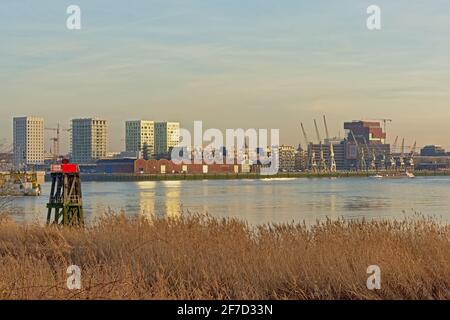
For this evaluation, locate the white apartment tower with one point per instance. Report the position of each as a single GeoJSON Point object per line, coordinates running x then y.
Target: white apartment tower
{"type": "Point", "coordinates": [167, 136]}
{"type": "Point", "coordinates": [28, 136]}
{"type": "Point", "coordinates": [139, 135]}
{"type": "Point", "coordinates": [89, 140]}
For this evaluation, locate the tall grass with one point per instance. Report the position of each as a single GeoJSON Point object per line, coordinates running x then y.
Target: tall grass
{"type": "Point", "coordinates": [200, 257]}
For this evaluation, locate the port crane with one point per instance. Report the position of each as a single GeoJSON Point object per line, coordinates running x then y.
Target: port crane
{"type": "Point", "coordinates": [327, 133]}
{"type": "Point", "coordinates": [382, 156]}
{"type": "Point", "coordinates": [312, 165]}
{"type": "Point", "coordinates": [373, 162]}
{"type": "Point", "coordinates": [393, 162]}
{"type": "Point", "coordinates": [333, 166]}
{"type": "Point", "coordinates": [411, 155]}
{"type": "Point", "coordinates": [361, 158]}
{"type": "Point", "coordinates": [322, 163]}
{"type": "Point", "coordinates": [402, 155]}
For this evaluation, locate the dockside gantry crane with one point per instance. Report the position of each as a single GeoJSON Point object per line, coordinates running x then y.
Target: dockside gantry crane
{"type": "Point", "coordinates": [322, 162]}
{"type": "Point", "coordinates": [373, 161]}
{"type": "Point", "coordinates": [360, 153]}
{"type": "Point", "coordinates": [393, 162]}
{"type": "Point", "coordinates": [333, 166]}
{"type": "Point", "coordinates": [311, 165]}
{"type": "Point", "coordinates": [402, 155]}
{"type": "Point", "coordinates": [411, 155]}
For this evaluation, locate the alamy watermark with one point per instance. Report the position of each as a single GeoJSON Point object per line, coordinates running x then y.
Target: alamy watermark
{"type": "Point", "coordinates": [374, 20]}
{"type": "Point", "coordinates": [374, 280]}
{"type": "Point", "coordinates": [73, 22]}
{"type": "Point", "coordinates": [74, 279]}
{"type": "Point", "coordinates": [236, 146]}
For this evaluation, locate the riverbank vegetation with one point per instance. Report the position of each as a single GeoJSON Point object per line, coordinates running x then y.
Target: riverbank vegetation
{"type": "Point", "coordinates": [199, 257]}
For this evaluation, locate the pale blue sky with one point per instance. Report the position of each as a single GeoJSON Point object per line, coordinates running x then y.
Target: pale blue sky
{"type": "Point", "coordinates": [246, 63]}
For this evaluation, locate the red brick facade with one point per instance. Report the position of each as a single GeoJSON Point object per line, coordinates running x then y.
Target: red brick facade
{"type": "Point", "coordinates": [165, 166]}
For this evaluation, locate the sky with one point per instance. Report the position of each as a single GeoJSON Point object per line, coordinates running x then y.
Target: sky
{"type": "Point", "coordinates": [230, 63]}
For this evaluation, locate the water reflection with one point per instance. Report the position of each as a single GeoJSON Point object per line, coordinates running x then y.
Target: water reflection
{"type": "Point", "coordinates": [259, 201]}
{"type": "Point", "coordinates": [172, 198]}
{"type": "Point", "coordinates": [146, 197]}
{"type": "Point", "coordinates": [159, 199]}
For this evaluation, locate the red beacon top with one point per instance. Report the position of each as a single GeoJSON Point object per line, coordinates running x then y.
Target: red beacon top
{"type": "Point", "coordinates": [65, 167]}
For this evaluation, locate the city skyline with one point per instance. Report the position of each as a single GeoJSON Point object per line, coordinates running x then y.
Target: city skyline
{"type": "Point", "coordinates": [66, 135]}
{"type": "Point", "coordinates": [258, 65]}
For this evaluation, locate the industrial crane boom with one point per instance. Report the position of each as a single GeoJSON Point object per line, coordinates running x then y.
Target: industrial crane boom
{"type": "Point", "coordinates": [305, 135]}
{"type": "Point", "coordinates": [327, 133]}
{"type": "Point", "coordinates": [394, 146]}
{"type": "Point", "coordinates": [317, 131]}
{"type": "Point", "coordinates": [413, 150]}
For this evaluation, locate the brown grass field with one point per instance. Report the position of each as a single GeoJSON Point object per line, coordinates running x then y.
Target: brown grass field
{"type": "Point", "coordinates": [199, 257]}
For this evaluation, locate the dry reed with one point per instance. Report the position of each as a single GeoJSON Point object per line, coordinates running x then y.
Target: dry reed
{"type": "Point", "coordinates": [200, 257]}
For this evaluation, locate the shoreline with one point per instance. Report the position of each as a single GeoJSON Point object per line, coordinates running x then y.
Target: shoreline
{"type": "Point", "coordinates": [97, 177]}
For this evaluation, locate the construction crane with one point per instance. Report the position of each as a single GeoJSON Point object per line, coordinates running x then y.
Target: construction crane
{"type": "Point", "coordinates": [322, 163]}
{"type": "Point", "coordinates": [56, 141]}
{"type": "Point", "coordinates": [312, 165]}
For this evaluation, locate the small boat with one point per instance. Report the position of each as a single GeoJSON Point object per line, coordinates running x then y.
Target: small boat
{"type": "Point", "coordinates": [377, 176]}
{"type": "Point", "coordinates": [25, 189]}
{"type": "Point", "coordinates": [19, 184]}
{"type": "Point", "coordinates": [401, 175]}
{"type": "Point", "coordinates": [410, 175]}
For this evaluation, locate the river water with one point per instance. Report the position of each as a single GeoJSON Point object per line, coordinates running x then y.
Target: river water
{"type": "Point", "coordinates": [260, 201]}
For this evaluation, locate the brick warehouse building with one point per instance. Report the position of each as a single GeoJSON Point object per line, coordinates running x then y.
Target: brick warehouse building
{"type": "Point", "coordinates": [164, 166]}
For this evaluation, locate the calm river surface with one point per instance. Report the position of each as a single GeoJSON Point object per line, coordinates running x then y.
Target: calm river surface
{"type": "Point", "coordinates": [260, 201]}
